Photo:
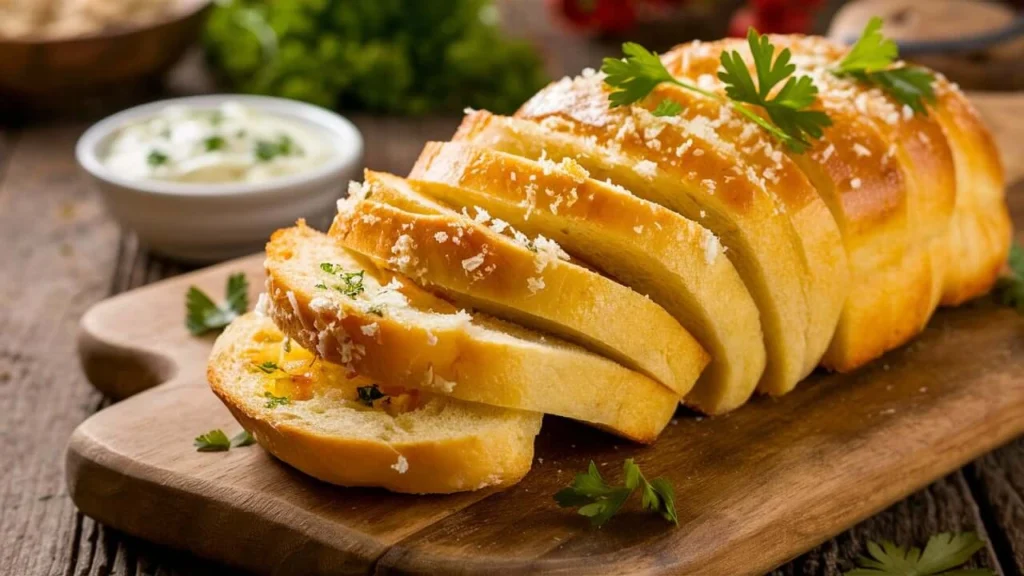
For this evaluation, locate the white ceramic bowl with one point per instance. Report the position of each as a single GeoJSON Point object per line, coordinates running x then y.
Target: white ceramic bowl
{"type": "Point", "coordinates": [209, 222]}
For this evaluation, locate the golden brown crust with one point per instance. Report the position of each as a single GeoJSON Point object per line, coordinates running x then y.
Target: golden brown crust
{"type": "Point", "coordinates": [494, 448]}
{"type": "Point", "coordinates": [676, 262]}
{"type": "Point", "coordinates": [483, 269]}
{"type": "Point", "coordinates": [430, 345]}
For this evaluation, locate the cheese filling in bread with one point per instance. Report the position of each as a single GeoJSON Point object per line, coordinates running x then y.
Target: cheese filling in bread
{"type": "Point", "coordinates": [352, 431]}
{"type": "Point", "coordinates": [485, 263]}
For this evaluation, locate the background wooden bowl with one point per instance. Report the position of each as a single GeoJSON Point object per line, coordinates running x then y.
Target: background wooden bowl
{"type": "Point", "coordinates": [50, 68]}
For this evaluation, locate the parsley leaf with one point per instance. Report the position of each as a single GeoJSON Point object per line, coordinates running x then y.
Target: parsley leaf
{"type": "Point", "coordinates": [599, 501]}
{"type": "Point", "coordinates": [267, 367]}
{"type": "Point", "coordinates": [872, 52]}
{"type": "Point", "coordinates": [790, 121]}
{"type": "Point", "coordinates": [241, 439]}
{"type": "Point", "coordinates": [667, 108]}
{"type": "Point", "coordinates": [267, 150]}
{"type": "Point", "coordinates": [941, 556]}
{"type": "Point", "coordinates": [1010, 288]}
{"type": "Point", "coordinates": [275, 401]}
{"type": "Point", "coordinates": [376, 309]}
{"type": "Point", "coordinates": [212, 441]}
{"type": "Point", "coordinates": [634, 77]}
{"type": "Point", "coordinates": [157, 158]}
{"type": "Point", "coordinates": [353, 281]}
{"type": "Point", "coordinates": [367, 394]}
{"type": "Point", "coordinates": [871, 61]}
{"type": "Point", "coordinates": [213, 143]}
{"type": "Point", "coordinates": [203, 315]}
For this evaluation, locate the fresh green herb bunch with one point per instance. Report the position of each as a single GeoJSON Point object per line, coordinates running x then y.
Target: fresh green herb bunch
{"type": "Point", "coordinates": [382, 55]}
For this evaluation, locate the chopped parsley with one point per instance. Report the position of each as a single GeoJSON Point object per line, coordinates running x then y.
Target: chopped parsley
{"type": "Point", "coordinates": [376, 309]}
{"type": "Point", "coordinates": [599, 501]}
{"type": "Point", "coordinates": [203, 315]}
{"type": "Point", "coordinates": [214, 143]}
{"type": "Point", "coordinates": [267, 150]}
{"type": "Point", "coordinates": [275, 401]}
{"type": "Point", "coordinates": [367, 394]}
{"type": "Point", "coordinates": [157, 158]}
{"type": "Point", "coordinates": [268, 367]}
{"type": "Point", "coordinates": [352, 282]}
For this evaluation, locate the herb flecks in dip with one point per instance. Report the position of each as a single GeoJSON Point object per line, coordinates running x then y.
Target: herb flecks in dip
{"type": "Point", "coordinates": [231, 143]}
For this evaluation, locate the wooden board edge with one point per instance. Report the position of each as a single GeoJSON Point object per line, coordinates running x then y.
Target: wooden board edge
{"type": "Point", "coordinates": [97, 477]}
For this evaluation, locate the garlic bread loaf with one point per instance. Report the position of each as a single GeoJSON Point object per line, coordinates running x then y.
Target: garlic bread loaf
{"type": "Point", "coordinates": [349, 430]}
{"type": "Point", "coordinates": [484, 263]}
{"type": "Point", "coordinates": [677, 263]}
{"type": "Point", "coordinates": [381, 325]}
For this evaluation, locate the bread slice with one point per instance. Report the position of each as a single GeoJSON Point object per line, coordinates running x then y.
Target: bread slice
{"type": "Point", "coordinates": [674, 261]}
{"type": "Point", "coordinates": [308, 413]}
{"type": "Point", "coordinates": [383, 326]}
{"type": "Point", "coordinates": [532, 282]}
{"type": "Point", "coordinates": [610, 145]}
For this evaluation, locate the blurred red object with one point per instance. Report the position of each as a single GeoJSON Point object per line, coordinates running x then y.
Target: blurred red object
{"type": "Point", "coordinates": [775, 17]}
{"type": "Point", "coordinates": [606, 15]}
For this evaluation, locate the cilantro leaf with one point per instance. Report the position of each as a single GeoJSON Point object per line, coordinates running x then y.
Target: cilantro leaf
{"type": "Point", "coordinates": [275, 401]}
{"type": "Point", "coordinates": [599, 501]}
{"type": "Point", "coordinates": [871, 52]}
{"type": "Point", "coordinates": [941, 556]}
{"type": "Point", "coordinates": [790, 121]}
{"type": "Point", "coordinates": [212, 441]}
{"type": "Point", "coordinates": [242, 439]}
{"type": "Point", "coordinates": [871, 61]}
{"type": "Point", "coordinates": [367, 394]}
{"type": "Point", "coordinates": [667, 108]}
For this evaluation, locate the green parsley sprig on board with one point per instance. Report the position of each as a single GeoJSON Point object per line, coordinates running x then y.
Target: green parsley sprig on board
{"type": "Point", "coordinates": [217, 441]}
{"type": "Point", "coordinates": [942, 556]}
{"type": "Point", "coordinates": [599, 501]}
{"type": "Point", "coordinates": [871, 61]}
{"type": "Point", "coordinates": [203, 315]}
{"type": "Point", "coordinates": [789, 120]}
{"type": "Point", "coordinates": [1010, 288]}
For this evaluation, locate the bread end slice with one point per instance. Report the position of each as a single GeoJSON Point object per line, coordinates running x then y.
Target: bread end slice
{"type": "Point", "coordinates": [308, 413]}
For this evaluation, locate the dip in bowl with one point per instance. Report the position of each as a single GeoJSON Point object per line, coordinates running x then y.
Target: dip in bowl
{"type": "Point", "coordinates": [210, 177]}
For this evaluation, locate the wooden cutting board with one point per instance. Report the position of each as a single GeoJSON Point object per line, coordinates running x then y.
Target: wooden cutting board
{"type": "Point", "coordinates": [754, 488]}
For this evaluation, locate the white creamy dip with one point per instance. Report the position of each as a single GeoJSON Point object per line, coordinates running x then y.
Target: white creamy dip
{"type": "Point", "coordinates": [232, 143]}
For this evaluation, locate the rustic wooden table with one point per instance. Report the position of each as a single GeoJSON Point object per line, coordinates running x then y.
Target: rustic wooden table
{"type": "Point", "coordinates": [61, 252]}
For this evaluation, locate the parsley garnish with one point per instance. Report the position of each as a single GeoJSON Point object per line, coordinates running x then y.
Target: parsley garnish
{"type": "Point", "coordinates": [871, 61]}
{"type": "Point", "coordinates": [353, 281]}
{"type": "Point", "coordinates": [367, 394]}
{"type": "Point", "coordinates": [156, 158]}
{"type": "Point", "coordinates": [267, 150]}
{"type": "Point", "coordinates": [637, 75]}
{"type": "Point", "coordinates": [217, 441]}
{"type": "Point", "coordinates": [376, 309]}
{"type": "Point", "coordinates": [667, 108]}
{"type": "Point", "coordinates": [941, 556]}
{"type": "Point", "coordinates": [793, 123]}
{"type": "Point", "coordinates": [203, 315]}
{"type": "Point", "coordinates": [242, 439]}
{"type": "Point", "coordinates": [1010, 288]}
{"type": "Point", "coordinates": [268, 367]}
{"type": "Point", "coordinates": [214, 143]}
{"type": "Point", "coordinates": [599, 501]}
{"type": "Point", "coordinates": [212, 441]}
{"type": "Point", "coordinates": [275, 401]}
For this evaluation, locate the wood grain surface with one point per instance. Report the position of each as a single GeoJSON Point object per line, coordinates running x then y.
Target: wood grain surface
{"type": "Point", "coordinates": [754, 488]}
{"type": "Point", "coordinates": [62, 253]}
